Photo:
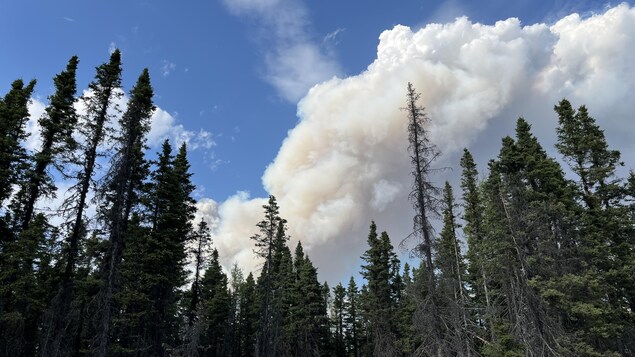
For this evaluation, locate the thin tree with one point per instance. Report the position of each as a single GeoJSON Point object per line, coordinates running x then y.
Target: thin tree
{"type": "Point", "coordinates": [103, 91]}
{"type": "Point", "coordinates": [424, 200]}
{"type": "Point", "coordinates": [127, 172]}
{"type": "Point", "coordinates": [58, 124]}
{"type": "Point", "coordinates": [14, 113]}
{"type": "Point", "coordinates": [264, 242]}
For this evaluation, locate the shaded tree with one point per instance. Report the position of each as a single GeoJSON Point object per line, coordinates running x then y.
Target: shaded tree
{"type": "Point", "coordinates": [120, 195]}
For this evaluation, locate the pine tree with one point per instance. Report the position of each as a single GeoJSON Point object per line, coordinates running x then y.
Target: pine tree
{"type": "Point", "coordinates": [249, 312]}
{"type": "Point", "coordinates": [379, 273]}
{"type": "Point", "coordinates": [121, 194]}
{"type": "Point", "coordinates": [337, 316]}
{"type": "Point", "coordinates": [192, 301]}
{"type": "Point", "coordinates": [351, 319]}
{"type": "Point", "coordinates": [57, 125]}
{"type": "Point", "coordinates": [606, 231]}
{"type": "Point", "coordinates": [26, 285]}
{"type": "Point", "coordinates": [216, 307]}
{"type": "Point", "coordinates": [311, 317]}
{"type": "Point", "coordinates": [236, 283]}
{"type": "Point", "coordinates": [528, 194]}
{"type": "Point", "coordinates": [451, 266]}
{"type": "Point", "coordinates": [423, 197]}
{"type": "Point", "coordinates": [474, 230]}
{"type": "Point", "coordinates": [265, 249]}
{"type": "Point", "coordinates": [93, 129]}
{"type": "Point", "coordinates": [14, 114]}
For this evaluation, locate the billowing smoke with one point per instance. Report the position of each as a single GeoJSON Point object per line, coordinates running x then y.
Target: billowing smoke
{"type": "Point", "coordinates": [346, 161]}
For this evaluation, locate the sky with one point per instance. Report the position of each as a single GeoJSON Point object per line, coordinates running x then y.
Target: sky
{"type": "Point", "coordinates": [301, 98]}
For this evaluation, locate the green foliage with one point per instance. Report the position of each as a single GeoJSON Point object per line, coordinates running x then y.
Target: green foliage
{"type": "Point", "coordinates": [14, 114]}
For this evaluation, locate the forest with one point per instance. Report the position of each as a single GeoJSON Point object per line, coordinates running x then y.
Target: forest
{"type": "Point", "coordinates": [531, 258]}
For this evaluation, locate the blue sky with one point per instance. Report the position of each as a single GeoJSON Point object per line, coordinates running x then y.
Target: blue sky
{"type": "Point", "coordinates": [232, 72]}
{"type": "Point", "coordinates": [207, 64]}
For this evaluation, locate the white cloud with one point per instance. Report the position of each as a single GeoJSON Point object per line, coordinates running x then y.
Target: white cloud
{"type": "Point", "coordinates": [112, 47]}
{"type": "Point", "coordinates": [333, 37]}
{"type": "Point", "coordinates": [346, 161]}
{"type": "Point", "coordinates": [163, 125]}
{"type": "Point", "coordinates": [293, 62]}
{"type": "Point", "coordinates": [167, 67]}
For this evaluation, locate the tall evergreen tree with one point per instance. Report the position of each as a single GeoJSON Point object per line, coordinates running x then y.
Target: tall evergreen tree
{"type": "Point", "coordinates": [216, 309]}
{"type": "Point", "coordinates": [93, 129]}
{"type": "Point", "coordinates": [192, 302]}
{"type": "Point", "coordinates": [337, 315]}
{"type": "Point", "coordinates": [379, 273]}
{"type": "Point", "coordinates": [249, 313]}
{"type": "Point", "coordinates": [14, 113]}
{"type": "Point", "coordinates": [423, 197]}
{"type": "Point", "coordinates": [57, 123]}
{"type": "Point", "coordinates": [451, 266]}
{"type": "Point", "coordinates": [351, 319]}
{"type": "Point", "coordinates": [474, 230]}
{"type": "Point", "coordinates": [526, 191]}
{"type": "Point", "coordinates": [265, 249]}
{"type": "Point", "coordinates": [236, 283]}
{"type": "Point", "coordinates": [606, 231]}
{"type": "Point", "coordinates": [121, 195]}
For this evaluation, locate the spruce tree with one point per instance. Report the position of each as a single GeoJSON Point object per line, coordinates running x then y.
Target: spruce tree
{"type": "Point", "coordinates": [474, 230]}
{"type": "Point", "coordinates": [606, 230]}
{"type": "Point", "coordinates": [452, 293]}
{"type": "Point", "coordinates": [423, 197]}
{"type": "Point", "coordinates": [28, 242]}
{"type": "Point", "coordinates": [337, 316]}
{"type": "Point", "coordinates": [216, 309]}
{"type": "Point", "coordinates": [58, 124]}
{"type": "Point", "coordinates": [92, 127]}
{"type": "Point", "coordinates": [380, 274]}
{"type": "Point", "coordinates": [192, 301]}
{"type": "Point", "coordinates": [249, 313]}
{"type": "Point", "coordinates": [121, 194]}
{"type": "Point", "coordinates": [351, 319]}
{"type": "Point", "coordinates": [14, 113]}
{"type": "Point", "coordinates": [264, 242]}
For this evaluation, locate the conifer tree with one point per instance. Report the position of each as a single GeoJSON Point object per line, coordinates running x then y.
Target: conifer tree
{"type": "Point", "coordinates": [474, 230]}
{"type": "Point", "coordinates": [92, 127]}
{"type": "Point", "coordinates": [451, 266]}
{"type": "Point", "coordinates": [216, 309]}
{"type": "Point", "coordinates": [351, 319]}
{"type": "Point", "coordinates": [379, 273]}
{"type": "Point", "coordinates": [236, 283]}
{"type": "Point", "coordinates": [311, 317]}
{"type": "Point", "coordinates": [337, 315]}
{"type": "Point", "coordinates": [606, 231]}
{"type": "Point", "coordinates": [249, 313]}
{"type": "Point", "coordinates": [527, 188]}
{"type": "Point", "coordinates": [264, 242]}
{"type": "Point", "coordinates": [14, 113]}
{"type": "Point", "coordinates": [57, 123]}
{"type": "Point", "coordinates": [121, 195]}
{"type": "Point", "coordinates": [28, 242]}
{"type": "Point", "coordinates": [423, 197]}
{"type": "Point", "coordinates": [192, 300]}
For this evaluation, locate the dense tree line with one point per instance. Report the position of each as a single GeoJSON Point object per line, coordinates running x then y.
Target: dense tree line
{"type": "Point", "coordinates": [528, 262]}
